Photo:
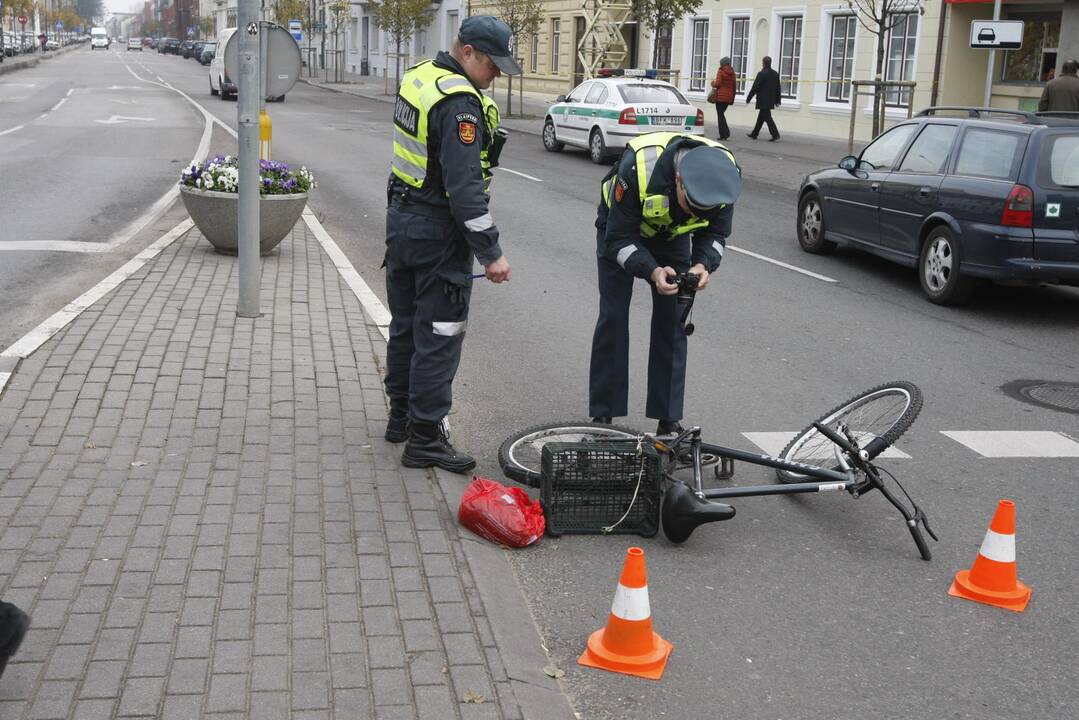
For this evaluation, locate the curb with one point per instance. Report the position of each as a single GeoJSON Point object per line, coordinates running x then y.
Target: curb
{"type": "Point", "coordinates": [521, 646]}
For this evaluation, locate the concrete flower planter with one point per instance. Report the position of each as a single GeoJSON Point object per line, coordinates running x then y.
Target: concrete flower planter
{"type": "Point", "coordinates": [214, 214]}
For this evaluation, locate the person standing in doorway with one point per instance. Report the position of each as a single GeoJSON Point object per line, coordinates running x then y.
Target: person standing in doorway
{"type": "Point", "coordinates": [723, 88]}
{"type": "Point", "coordinates": [446, 139]}
{"type": "Point", "coordinates": [766, 89]}
{"type": "Point", "coordinates": [1062, 93]}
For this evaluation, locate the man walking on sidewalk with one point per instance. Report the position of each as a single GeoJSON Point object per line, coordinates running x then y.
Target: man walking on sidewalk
{"type": "Point", "coordinates": [446, 139]}
{"type": "Point", "coordinates": [766, 88]}
{"type": "Point", "coordinates": [1062, 93]}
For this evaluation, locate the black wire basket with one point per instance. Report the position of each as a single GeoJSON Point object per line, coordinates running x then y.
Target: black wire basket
{"type": "Point", "coordinates": [600, 488]}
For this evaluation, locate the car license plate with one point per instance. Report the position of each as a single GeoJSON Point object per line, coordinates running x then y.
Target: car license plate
{"type": "Point", "coordinates": [667, 120]}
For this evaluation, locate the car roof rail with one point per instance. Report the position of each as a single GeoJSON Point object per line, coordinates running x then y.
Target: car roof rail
{"type": "Point", "coordinates": [1059, 114]}
{"type": "Point", "coordinates": [978, 112]}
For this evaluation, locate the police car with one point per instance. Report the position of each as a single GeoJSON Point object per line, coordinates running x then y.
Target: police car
{"type": "Point", "coordinates": [604, 113]}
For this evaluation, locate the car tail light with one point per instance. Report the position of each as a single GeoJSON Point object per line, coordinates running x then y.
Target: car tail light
{"type": "Point", "coordinates": [1019, 208]}
{"type": "Point", "coordinates": [700, 118]}
{"type": "Point", "coordinates": [627, 117]}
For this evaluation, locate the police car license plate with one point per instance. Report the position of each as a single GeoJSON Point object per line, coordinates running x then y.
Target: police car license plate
{"type": "Point", "coordinates": [667, 120]}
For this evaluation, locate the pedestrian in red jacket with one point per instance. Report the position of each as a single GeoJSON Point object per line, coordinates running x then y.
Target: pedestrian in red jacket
{"type": "Point", "coordinates": [723, 88]}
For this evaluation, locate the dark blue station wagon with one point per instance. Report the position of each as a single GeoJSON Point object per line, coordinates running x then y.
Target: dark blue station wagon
{"type": "Point", "coordinates": [962, 194]}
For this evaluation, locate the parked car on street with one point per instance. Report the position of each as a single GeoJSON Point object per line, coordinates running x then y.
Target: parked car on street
{"type": "Point", "coordinates": [168, 45]}
{"type": "Point", "coordinates": [196, 49]}
{"type": "Point", "coordinates": [961, 194]}
{"type": "Point", "coordinates": [207, 55]}
{"type": "Point", "coordinates": [605, 113]}
{"type": "Point", "coordinates": [185, 49]}
{"type": "Point", "coordinates": [134, 44]}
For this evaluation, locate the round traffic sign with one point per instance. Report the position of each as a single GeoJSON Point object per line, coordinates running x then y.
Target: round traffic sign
{"type": "Point", "coordinates": [23, 19]}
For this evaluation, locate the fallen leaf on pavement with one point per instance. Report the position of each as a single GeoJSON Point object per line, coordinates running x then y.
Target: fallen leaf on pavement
{"type": "Point", "coordinates": [554, 672]}
{"type": "Point", "coordinates": [473, 697]}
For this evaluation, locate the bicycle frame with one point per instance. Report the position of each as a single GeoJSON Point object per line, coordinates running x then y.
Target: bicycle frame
{"type": "Point", "coordinates": [863, 476]}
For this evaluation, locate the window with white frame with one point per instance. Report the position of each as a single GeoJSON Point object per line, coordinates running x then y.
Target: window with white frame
{"type": "Point", "coordinates": [453, 24]}
{"type": "Point", "coordinates": [376, 34]}
{"type": "Point", "coordinates": [841, 57]}
{"type": "Point", "coordinates": [663, 46]}
{"type": "Point", "coordinates": [556, 44]}
{"type": "Point", "coordinates": [739, 52]}
{"type": "Point", "coordinates": [699, 61]}
{"type": "Point", "coordinates": [902, 38]}
{"type": "Point", "coordinates": [533, 59]}
{"type": "Point", "coordinates": [790, 55]}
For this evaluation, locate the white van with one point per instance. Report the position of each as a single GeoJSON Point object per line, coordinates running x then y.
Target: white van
{"type": "Point", "coordinates": [220, 82]}
{"type": "Point", "coordinates": [99, 38]}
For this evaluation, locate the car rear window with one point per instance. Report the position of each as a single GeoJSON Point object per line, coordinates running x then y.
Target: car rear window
{"type": "Point", "coordinates": [1064, 160]}
{"type": "Point", "coordinates": [989, 154]}
{"type": "Point", "coordinates": [650, 93]}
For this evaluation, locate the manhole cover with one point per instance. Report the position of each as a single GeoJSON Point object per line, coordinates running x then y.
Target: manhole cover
{"type": "Point", "coordinates": [1063, 396]}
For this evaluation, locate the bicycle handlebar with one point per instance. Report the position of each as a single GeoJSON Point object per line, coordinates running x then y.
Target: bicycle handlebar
{"type": "Point", "coordinates": [861, 459]}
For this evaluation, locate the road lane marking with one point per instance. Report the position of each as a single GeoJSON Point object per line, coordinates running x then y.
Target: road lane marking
{"type": "Point", "coordinates": [70, 92]}
{"type": "Point", "coordinates": [11, 130]}
{"type": "Point", "coordinates": [773, 443]}
{"type": "Point", "coordinates": [115, 119]}
{"type": "Point", "coordinates": [370, 302]}
{"type": "Point", "coordinates": [57, 105]}
{"type": "Point", "coordinates": [505, 169]}
{"type": "Point", "coordinates": [1016, 443]}
{"type": "Point", "coordinates": [34, 339]}
{"type": "Point", "coordinates": [782, 264]}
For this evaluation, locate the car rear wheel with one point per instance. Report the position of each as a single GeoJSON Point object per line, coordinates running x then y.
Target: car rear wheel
{"type": "Point", "coordinates": [811, 225]}
{"type": "Point", "coordinates": [213, 90]}
{"type": "Point", "coordinates": [550, 140]}
{"type": "Point", "coordinates": [938, 269]}
{"type": "Point", "coordinates": [597, 149]}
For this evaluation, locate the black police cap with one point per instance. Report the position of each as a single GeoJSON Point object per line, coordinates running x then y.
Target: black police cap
{"type": "Point", "coordinates": [710, 178]}
{"type": "Point", "coordinates": [490, 36]}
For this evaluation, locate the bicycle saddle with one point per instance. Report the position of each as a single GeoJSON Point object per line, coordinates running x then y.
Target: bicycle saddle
{"type": "Point", "coordinates": [683, 512]}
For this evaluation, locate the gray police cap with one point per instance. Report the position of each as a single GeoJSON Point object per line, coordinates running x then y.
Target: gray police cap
{"type": "Point", "coordinates": [491, 36]}
{"type": "Point", "coordinates": [710, 178]}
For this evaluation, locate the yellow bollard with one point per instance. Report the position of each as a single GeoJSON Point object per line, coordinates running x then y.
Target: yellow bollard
{"type": "Point", "coordinates": [265, 132]}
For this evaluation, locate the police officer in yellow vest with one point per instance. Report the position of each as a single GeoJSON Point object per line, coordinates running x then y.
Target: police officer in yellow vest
{"type": "Point", "coordinates": [665, 208]}
{"type": "Point", "coordinates": [446, 140]}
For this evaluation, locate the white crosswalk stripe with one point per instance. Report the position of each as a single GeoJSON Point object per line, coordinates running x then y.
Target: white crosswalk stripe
{"type": "Point", "coordinates": [1016, 443]}
{"type": "Point", "coordinates": [773, 443]}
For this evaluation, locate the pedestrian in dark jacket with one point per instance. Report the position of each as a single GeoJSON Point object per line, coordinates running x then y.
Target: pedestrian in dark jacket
{"type": "Point", "coordinates": [723, 88]}
{"type": "Point", "coordinates": [766, 90]}
{"type": "Point", "coordinates": [1062, 93]}
{"type": "Point", "coordinates": [13, 626]}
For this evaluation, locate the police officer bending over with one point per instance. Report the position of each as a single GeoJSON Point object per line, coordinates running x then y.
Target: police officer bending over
{"type": "Point", "coordinates": [666, 208]}
{"type": "Point", "coordinates": [446, 140]}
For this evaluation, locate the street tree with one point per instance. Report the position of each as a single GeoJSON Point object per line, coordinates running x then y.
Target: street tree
{"type": "Point", "coordinates": [285, 10]}
{"type": "Point", "coordinates": [401, 19]}
{"type": "Point", "coordinates": [658, 14]}
{"type": "Point", "coordinates": [207, 26]}
{"type": "Point", "coordinates": [15, 8]}
{"type": "Point", "coordinates": [90, 10]}
{"type": "Point", "coordinates": [524, 18]}
{"type": "Point", "coordinates": [879, 17]}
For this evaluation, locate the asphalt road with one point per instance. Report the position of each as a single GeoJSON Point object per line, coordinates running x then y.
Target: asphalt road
{"type": "Point", "coordinates": [801, 607]}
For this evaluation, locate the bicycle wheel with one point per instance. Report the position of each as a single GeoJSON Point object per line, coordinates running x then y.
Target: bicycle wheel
{"type": "Point", "coordinates": [876, 418]}
{"type": "Point", "coordinates": [520, 453]}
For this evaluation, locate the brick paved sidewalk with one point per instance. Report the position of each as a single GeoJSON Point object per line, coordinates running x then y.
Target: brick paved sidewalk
{"type": "Point", "coordinates": [201, 517]}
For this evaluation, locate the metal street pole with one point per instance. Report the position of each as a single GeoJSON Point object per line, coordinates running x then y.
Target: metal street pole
{"type": "Point", "coordinates": [992, 61]}
{"type": "Point", "coordinates": [247, 118]}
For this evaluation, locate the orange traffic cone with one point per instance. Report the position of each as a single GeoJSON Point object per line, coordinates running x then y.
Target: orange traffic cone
{"type": "Point", "coordinates": [992, 579]}
{"type": "Point", "coordinates": [628, 644]}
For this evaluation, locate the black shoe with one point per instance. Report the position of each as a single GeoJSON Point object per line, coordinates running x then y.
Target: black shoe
{"type": "Point", "coordinates": [724, 137]}
{"type": "Point", "coordinates": [669, 427]}
{"type": "Point", "coordinates": [397, 425]}
{"type": "Point", "coordinates": [751, 135]}
{"type": "Point", "coordinates": [428, 446]}
{"type": "Point", "coordinates": [773, 139]}
{"type": "Point", "coordinates": [13, 626]}
{"type": "Point", "coordinates": [602, 419]}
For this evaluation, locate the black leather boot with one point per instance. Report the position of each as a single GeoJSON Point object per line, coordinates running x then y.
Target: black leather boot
{"type": "Point", "coordinates": [397, 425]}
{"type": "Point", "coordinates": [428, 446]}
{"type": "Point", "coordinates": [602, 419]}
{"type": "Point", "coordinates": [669, 427]}
{"type": "Point", "coordinates": [13, 626]}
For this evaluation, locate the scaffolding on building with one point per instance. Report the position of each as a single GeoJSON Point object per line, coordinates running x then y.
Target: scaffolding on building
{"type": "Point", "coordinates": [602, 43]}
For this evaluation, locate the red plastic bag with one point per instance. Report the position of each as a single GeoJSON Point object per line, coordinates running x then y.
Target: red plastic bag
{"type": "Point", "coordinates": [504, 515]}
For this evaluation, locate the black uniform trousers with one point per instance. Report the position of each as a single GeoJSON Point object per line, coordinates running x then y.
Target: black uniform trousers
{"type": "Point", "coordinates": [608, 381]}
{"type": "Point", "coordinates": [428, 285]}
{"type": "Point", "coordinates": [764, 116]}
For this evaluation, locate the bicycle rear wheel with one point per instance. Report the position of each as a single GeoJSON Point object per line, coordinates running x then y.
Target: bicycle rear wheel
{"type": "Point", "coordinates": [876, 418]}
{"type": "Point", "coordinates": [520, 453]}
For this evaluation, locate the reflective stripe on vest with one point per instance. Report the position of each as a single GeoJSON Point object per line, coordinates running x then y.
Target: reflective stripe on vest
{"type": "Point", "coordinates": [422, 88]}
{"type": "Point", "coordinates": [655, 209]}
